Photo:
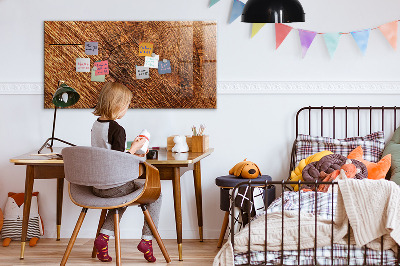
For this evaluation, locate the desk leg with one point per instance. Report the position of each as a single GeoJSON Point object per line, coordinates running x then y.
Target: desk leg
{"type": "Point", "coordinates": [27, 206]}
{"type": "Point", "coordinates": [176, 182]}
{"type": "Point", "coordinates": [199, 204]}
{"type": "Point", "coordinates": [60, 190]}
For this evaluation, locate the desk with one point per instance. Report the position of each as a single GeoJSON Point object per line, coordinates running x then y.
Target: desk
{"type": "Point", "coordinates": [171, 167]}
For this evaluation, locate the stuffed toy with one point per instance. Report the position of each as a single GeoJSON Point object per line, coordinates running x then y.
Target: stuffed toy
{"type": "Point", "coordinates": [348, 170]}
{"type": "Point", "coordinates": [296, 174]}
{"type": "Point", "coordinates": [245, 169]}
{"type": "Point", "coordinates": [13, 215]}
{"type": "Point", "coordinates": [1, 220]}
{"type": "Point", "coordinates": [393, 147]}
{"type": "Point", "coordinates": [375, 170]}
{"type": "Point", "coordinates": [180, 144]}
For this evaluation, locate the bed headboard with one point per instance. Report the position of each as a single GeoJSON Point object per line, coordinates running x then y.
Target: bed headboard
{"type": "Point", "coordinates": [344, 121]}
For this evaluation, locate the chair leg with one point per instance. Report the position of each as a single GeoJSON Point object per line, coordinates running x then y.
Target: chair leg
{"type": "Point", "coordinates": [223, 229]}
{"type": "Point", "coordinates": [117, 239]}
{"type": "Point", "coordinates": [101, 222]}
{"type": "Point", "coordinates": [154, 230]}
{"type": "Point", "coordinates": [73, 237]}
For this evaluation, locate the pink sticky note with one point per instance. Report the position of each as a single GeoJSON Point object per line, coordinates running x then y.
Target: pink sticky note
{"type": "Point", "coordinates": [102, 68]}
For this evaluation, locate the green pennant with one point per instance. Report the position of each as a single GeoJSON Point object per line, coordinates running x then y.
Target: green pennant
{"type": "Point", "coordinates": [213, 2]}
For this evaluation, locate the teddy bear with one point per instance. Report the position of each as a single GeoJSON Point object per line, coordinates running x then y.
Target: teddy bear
{"type": "Point", "coordinates": [13, 215]}
{"type": "Point", "coordinates": [245, 169]}
{"type": "Point", "coordinates": [180, 144]}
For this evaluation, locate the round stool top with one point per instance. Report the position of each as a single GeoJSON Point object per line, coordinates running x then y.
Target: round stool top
{"type": "Point", "coordinates": [230, 181]}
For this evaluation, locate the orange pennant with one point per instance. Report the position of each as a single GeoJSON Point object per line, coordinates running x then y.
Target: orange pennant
{"type": "Point", "coordinates": [389, 30]}
{"type": "Point", "coordinates": [281, 31]}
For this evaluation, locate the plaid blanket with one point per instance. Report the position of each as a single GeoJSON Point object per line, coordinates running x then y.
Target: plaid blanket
{"type": "Point", "coordinates": [322, 204]}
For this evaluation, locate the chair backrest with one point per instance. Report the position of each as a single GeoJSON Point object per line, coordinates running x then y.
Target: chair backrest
{"type": "Point", "coordinates": [92, 166]}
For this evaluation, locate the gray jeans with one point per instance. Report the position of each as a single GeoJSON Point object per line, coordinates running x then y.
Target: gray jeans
{"type": "Point", "coordinates": [154, 208]}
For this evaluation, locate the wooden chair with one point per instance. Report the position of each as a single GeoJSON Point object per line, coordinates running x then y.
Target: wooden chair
{"type": "Point", "coordinates": [85, 167]}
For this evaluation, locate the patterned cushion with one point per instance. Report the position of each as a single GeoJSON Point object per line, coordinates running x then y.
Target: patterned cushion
{"type": "Point", "coordinates": [372, 144]}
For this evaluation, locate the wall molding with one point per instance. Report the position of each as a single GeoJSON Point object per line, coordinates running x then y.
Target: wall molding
{"type": "Point", "coordinates": [258, 87]}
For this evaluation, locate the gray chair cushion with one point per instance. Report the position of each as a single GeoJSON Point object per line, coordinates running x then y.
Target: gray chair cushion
{"type": "Point", "coordinates": [84, 196]}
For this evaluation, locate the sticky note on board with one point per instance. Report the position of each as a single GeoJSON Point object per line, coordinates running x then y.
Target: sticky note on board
{"type": "Point", "coordinates": [83, 65]}
{"type": "Point", "coordinates": [142, 72]}
{"type": "Point", "coordinates": [92, 48]}
{"type": "Point", "coordinates": [145, 48]}
{"type": "Point", "coordinates": [99, 78]}
{"type": "Point", "coordinates": [102, 68]}
{"type": "Point", "coordinates": [164, 67]}
{"type": "Point", "coordinates": [151, 61]}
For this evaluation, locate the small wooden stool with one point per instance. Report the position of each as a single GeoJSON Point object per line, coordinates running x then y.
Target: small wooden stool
{"type": "Point", "coordinates": [226, 183]}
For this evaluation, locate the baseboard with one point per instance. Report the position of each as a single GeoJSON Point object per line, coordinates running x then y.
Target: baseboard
{"type": "Point", "coordinates": [258, 87]}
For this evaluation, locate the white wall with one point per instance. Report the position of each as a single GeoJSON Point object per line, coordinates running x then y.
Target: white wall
{"type": "Point", "coordinates": [257, 127]}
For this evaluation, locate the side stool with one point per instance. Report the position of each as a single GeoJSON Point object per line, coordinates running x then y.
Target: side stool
{"type": "Point", "coordinates": [228, 182]}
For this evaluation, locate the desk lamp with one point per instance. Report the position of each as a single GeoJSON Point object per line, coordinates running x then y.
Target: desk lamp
{"type": "Point", "coordinates": [272, 11]}
{"type": "Point", "coordinates": [63, 97]}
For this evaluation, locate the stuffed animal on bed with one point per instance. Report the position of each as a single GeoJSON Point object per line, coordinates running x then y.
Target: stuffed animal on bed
{"type": "Point", "coordinates": [13, 215]}
{"type": "Point", "coordinates": [245, 169]}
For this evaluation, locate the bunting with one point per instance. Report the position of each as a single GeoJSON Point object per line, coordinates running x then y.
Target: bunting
{"type": "Point", "coordinates": [332, 41]}
{"type": "Point", "coordinates": [281, 31]}
{"type": "Point", "coordinates": [213, 2]}
{"type": "Point", "coordinates": [361, 37]}
{"type": "Point", "coordinates": [237, 8]}
{"type": "Point", "coordinates": [306, 39]}
{"type": "Point", "coordinates": [389, 30]}
{"type": "Point", "coordinates": [256, 27]}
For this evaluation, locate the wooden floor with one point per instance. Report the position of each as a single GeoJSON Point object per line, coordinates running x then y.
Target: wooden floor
{"type": "Point", "coordinates": [50, 252]}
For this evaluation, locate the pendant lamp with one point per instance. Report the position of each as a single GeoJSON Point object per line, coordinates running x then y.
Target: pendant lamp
{"type": "Point", "coordinates": [272, 11]}
{"type": "Point", "coordinates": [63, 97]}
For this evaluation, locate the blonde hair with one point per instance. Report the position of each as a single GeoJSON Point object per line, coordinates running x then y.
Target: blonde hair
{"type": "Point", "coordinates": [112, 99]}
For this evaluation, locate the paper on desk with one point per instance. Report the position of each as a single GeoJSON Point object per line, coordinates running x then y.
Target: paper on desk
{"type": "Point", "coordinates": [83, 65]}
{"type": "Point", "coordinates": [92, 48]}
{"type": "Point", "coordinates": [151, 61]}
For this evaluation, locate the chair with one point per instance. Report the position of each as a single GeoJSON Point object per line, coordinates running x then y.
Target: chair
{"type": "Point", "coordinates": [85, 167]}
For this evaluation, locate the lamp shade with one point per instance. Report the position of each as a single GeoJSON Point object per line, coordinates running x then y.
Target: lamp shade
{"type": "Point", "coordinates": [65, 96]}
{"type": "Point", "coordinates": [273, 11]}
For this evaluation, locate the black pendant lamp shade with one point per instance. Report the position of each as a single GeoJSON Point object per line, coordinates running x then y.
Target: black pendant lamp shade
{"type": "Point", "coordinates": [273, 11]}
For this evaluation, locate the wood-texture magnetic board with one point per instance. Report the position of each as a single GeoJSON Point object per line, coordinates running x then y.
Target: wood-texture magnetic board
{"type": "Point", "coordinates": [189, 45]}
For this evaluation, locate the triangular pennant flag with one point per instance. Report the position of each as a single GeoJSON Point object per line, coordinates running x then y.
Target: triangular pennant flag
{"type": "Point", "coordinates": [306, 39]}
{"type": "Point", "coordinates": [213, 2]}
{"type": "Point", "coordinates": [237, 9]}
{"type": "Point", "coordinates": [281, 31]}
{"type": "Point", "coordinates": [255, 28]}
{"type": "Point", "coordinates": [390, 32]}
{"type": "Point", "coordinates": [332, 41]}
{"type": "Point", "coordinates": [361, 37]}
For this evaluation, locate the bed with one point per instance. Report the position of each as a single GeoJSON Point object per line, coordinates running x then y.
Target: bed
{"type": "Point", "coordinates": [298, 227]}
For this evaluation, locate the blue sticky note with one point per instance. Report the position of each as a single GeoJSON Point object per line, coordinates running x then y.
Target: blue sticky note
{"type": "Point", "coordinates": [164, 67]}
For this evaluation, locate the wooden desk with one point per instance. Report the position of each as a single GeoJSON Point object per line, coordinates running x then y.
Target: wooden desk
{"type": "Point", "coordinates": [171, 167]}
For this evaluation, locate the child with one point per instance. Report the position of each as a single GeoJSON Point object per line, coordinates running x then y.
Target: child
{"type": "Point", "coordinates": [113, 102]}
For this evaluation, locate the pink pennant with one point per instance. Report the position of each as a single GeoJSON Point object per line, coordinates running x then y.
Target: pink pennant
{"type": "Point", "coordinates": [281, 31]}
{"type": "Point", "coordinates": [306, 39]}
{"type": "Point", "coordinates": [389, 30]}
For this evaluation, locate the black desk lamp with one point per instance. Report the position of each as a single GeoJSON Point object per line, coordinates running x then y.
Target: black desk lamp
{"type": "Point", "coordinates": [63, 97]}
{"type": "Point", "coordinates": [272, 11]}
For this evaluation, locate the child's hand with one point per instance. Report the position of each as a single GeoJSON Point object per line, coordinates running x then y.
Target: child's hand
{"type": "Point", "coordinates": [137, 144]}
{"type": "Point", "coordinates": [142, 155]}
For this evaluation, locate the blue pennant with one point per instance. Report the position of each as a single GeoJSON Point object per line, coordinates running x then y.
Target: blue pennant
{"type": "Point", "coordinates": [237, 9]}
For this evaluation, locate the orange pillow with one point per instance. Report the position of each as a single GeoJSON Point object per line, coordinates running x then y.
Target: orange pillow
{"type": "Point", "coordinates": [375, 170]}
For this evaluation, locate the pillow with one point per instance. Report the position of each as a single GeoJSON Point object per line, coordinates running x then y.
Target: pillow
{"type": "Point", "coordinates": [393, 148]}
{"type": "Point", "coordinates": [375, 170]}
{"type": "Point", "coordinates": [372, 144]}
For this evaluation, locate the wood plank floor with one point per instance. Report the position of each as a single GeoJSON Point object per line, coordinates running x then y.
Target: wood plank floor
{"type": "Point", "coordinates": [50, 252]}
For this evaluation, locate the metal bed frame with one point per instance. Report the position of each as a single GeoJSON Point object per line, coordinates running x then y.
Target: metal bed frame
{"type": "Point", "coordinates": [283, 184]}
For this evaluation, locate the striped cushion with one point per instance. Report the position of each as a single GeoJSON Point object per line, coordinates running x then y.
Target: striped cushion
{"type": "Point", "coordinates": [372, 145]}
{"type": "Point", "coordinates": [13, 228]}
